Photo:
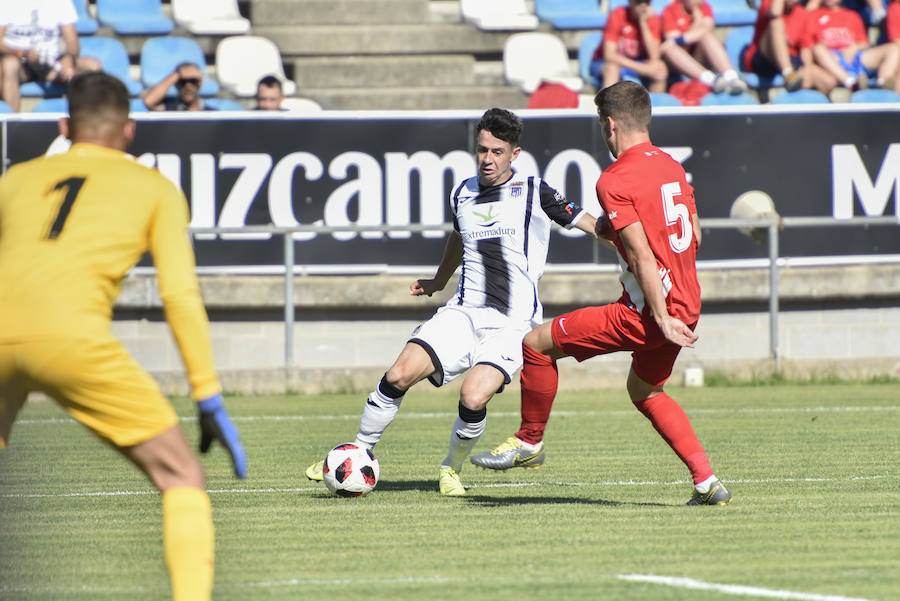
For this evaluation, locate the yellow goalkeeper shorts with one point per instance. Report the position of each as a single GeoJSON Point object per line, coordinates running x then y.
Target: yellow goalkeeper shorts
{"type": "Point", "coordinates": [95, 380]}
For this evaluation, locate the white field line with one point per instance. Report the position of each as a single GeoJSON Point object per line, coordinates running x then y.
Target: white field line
{"type": "Point", "coordinates": [387, 486]}
{"type": "Point", "coordinates": [734, 589]}
{"type": "Point", "coordinates": [559, 413]}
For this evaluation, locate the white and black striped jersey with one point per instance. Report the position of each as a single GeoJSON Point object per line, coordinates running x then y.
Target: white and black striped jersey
{"type": "Point", "coordinates": [505, 231]}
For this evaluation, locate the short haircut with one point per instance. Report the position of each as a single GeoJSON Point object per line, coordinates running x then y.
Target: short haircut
{"type": "Point", "coordinates": [627, 102]}
{"type": "Point", "coordinates": [96, 96]}
{"type": "Point", "coordinates": [270, 81]}
{"type": "Point", "coordinates": [502, 124]}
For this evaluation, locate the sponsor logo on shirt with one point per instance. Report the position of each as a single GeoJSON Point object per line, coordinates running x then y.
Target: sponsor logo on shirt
{"type": "Point", "coordinates": [488, 219]}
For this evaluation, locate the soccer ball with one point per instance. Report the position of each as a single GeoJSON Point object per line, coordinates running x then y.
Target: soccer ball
{"type": "Point", "coordinates": [350, 470]}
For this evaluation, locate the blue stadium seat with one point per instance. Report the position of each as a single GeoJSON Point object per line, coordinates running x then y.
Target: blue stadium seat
{"type": "Point", "coordinates": [51, 105]}
{"type": "Point", "coordinates": [113, 58]}
{"type": "Point", "coordinates": [160, 56]}
{"type": "Point", "coordinates": [223, 104]}
{"type": "Point", "coordinates": [875, 95]}
{"type": "Point", "coordinates": [5, 108]}
{"type": "Point", "coordinates": [735, 42]}
{"type": "Point", "coordinates": [571, 14]}
{"type": "Point", "coordinates": [727, 99]}
{"type": "Point", "coordinates": [732, 13]}
{"type": "Point", "coordinates": [138, 106]}
{"type": "Point", "coordinates": [801, 97]}
{"type": "Point", "coordinates": [134, 17]}
{"type": "Point", "coordinates": [663, 99]}
{"type": "Point", "coordinates": [658, 5]}
{"type": "Point", "coordinates": [86, 24]}
{"type": "Point", "coordinates": [585, 53]}
{"type": "Point", "coordinates": [33, 89]}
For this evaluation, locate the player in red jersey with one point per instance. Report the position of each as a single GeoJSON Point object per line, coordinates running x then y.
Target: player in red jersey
{"type": "Point", "coordinates": [840, 45]}
{"type": "Point", "coordinates": [691, 47]}
{"type": "Point", "coordinates": [776, 48]}
{"type": "Point", "coordinates": [652, 221]}
{"type": "Point", "coordinates": [630, 46]}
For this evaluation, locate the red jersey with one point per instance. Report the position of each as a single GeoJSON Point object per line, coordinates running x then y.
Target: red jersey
{"type": "Point", "coordinates": [794, 24]}
{"type": "Point", "coordinates": [645, 184]}
{"type": "Point", "coordinates": [837, 28]}
{"type": "Point", "coordinates": [626, 33]}
{"type": "Point", "coordinates": [892, 22]}
{"type": "Point", "coordinates": [675, 18]}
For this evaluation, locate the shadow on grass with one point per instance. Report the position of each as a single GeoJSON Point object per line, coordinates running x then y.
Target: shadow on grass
{"type": "Point", "coordinates": [500, 501]}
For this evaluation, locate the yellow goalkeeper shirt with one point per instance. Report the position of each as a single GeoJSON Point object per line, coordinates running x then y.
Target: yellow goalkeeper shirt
{"type": "Point", "coordinates": [71, 226]}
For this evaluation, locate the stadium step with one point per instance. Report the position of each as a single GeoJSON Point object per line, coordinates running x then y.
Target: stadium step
{"type": "Point", "coordinates": [336, 12]}
{"type": "Point", "coordinates": [387, 71]}
{"type": "Point", "coordinates": [418, 98]}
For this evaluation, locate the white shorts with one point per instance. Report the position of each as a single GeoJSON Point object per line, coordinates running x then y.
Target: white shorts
{"type": "Point", "coordinates": [458, 338]}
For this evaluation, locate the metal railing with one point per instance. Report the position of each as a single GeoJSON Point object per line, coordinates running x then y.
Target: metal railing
{"type": "Point", "coordinates": [772, 226]}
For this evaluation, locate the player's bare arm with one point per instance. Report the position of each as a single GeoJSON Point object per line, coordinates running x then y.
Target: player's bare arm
{"type": "Point", "coordinates": [698, 236]}
{"type": "Point", "coordinates": [452, 259]}
{"type": "Point", "coordinates": [597, 228]}
{"type": "Point", "coordinates": [643, 264]}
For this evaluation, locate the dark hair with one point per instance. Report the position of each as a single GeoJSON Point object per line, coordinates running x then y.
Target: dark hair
{"type": "Point", "coordinates": [95, 93]}
{"type": "Point", "coordinates": [270, 81]}
{"type": "Point", "coordinates": [502, 124]}
{"type": "Point", "coordinates": [627, 102]}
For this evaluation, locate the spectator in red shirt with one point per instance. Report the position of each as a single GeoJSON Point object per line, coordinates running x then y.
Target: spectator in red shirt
{"type": "Point", "coordinates": [691, 47]}
{"type": "Point", "coordinates": [840, 45]}
{"type": "Point", "coordinates": [776, 48]}
{"type": "Point", "coordinates": [892, 22]}
{"type": "Point", "coordinates": [630, 47]}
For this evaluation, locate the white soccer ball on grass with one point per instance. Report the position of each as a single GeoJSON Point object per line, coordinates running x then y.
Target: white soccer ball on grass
{"type": "Point", "coordinates": [350, 470]}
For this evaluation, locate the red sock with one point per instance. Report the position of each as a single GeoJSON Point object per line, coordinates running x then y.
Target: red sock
{"type": "Point", "coordinates": [673, 425]}
{"type": "Point", "coordinates": [539, 379]}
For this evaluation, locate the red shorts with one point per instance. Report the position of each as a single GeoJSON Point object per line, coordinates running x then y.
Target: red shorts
{"type": "Point", "coordinates": [592, 331]}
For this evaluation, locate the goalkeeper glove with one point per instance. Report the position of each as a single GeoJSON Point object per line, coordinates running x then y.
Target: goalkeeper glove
{"type": "Point", "coordinates": [216, 424]}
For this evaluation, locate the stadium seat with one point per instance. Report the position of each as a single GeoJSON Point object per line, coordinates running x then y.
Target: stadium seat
{"type": "Point", "coordinates": [212, 17]}
{"type": "Point", "coordinates": [801, 97]}
{"type": "Point", "coordinates": [134, 17]}
{"type": "Point", "coordinates": [875, 95]}
{"type": "Point", "coordinates": [241, 61]}
{"type": "Point", "coordinates": [34, 89]}
{"type": "Point", "coordinates": [586, 50]}
{"type": "Point", "coordinates": [300, 105]}
{"type": "Point", "coordinates": [86, 24]}
{"type": "Point", "coordinates": [571, 14]}
{"type": "Point", "coordinates": [51, 105]}
{"type": "Point", "coordinates": [529, 58]}
{"type": "Point", "coordinates": [160, 55]}
{"type": "Point", "coordinates": [5, 108]}
{"type": "Point", "coordinates": [113, 58]}
{"type": "Point", "coordinates": [663, 99]}
{"type": "Point", "coordinates": [138, 106]}
{"type": "Point", "coordinates": [727, 99]}
{"type": "Point", "coordinates": [732, 13]}
{"type": "Point", "coordinates": [498, 15]}
{"type": "Point", "coordinates": [223, 104]}
{"type": "Point", "coordinates": [735, 42]}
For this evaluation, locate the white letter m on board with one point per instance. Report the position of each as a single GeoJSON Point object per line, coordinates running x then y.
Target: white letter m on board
{"type": "Point", "coordinates": [848, 173]}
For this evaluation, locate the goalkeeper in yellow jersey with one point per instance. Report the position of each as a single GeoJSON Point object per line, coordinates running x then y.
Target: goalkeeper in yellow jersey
{"type": "Point", "coordinates": [71, 226]}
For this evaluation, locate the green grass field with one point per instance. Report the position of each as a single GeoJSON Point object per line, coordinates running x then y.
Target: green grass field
{"type": "Point", "coordinates": [815, 473]}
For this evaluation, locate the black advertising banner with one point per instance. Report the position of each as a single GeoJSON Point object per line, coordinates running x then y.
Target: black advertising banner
{"type": "Point", "coordinates": [399, 168]}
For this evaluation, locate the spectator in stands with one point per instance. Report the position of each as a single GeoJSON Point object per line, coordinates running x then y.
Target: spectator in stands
{"type": "Point", "coordinates": [840, 45]}
{"type": "Point", "coordinates": [269, 94]}
{"type": "Point", "coordinates": [690, 46]}
{"type": "Point", "coordinates": [188, 78]}
{"type": "Point", "coordinates": [776, 48]}
{"type": "Point", "coordinates": [892, 22]}
{"type": "Point", "coordinates": [30, 48]}
{"type": "Point", "coordinates": [630, 47]}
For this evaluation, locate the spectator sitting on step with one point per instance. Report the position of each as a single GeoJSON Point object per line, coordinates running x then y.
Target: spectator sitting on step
{"type": "Point", "coordinates": [269, 94]}
{"type": "Point", "coordinates": [776, 48]}
{"type": "Point", "coordinates": [630, 47]}
{"type": "Point", "coordinates": [187, 78]}
{"type": "Point", "coordinates": [690, 46]}
{"type": "Point", "coordinates": [31, 32]}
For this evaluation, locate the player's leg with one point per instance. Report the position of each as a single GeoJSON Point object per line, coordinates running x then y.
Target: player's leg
{"type": "Point", "coordinates": [13, 392]}
{"type": "Point", "coordinates": [188, 536]}
{"type": "Point", "coordinates": [480, 384]}
{"type": "Point", "coordinates": [649, 371]}
{"type": "Point", "coordinates": [99, 384]}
